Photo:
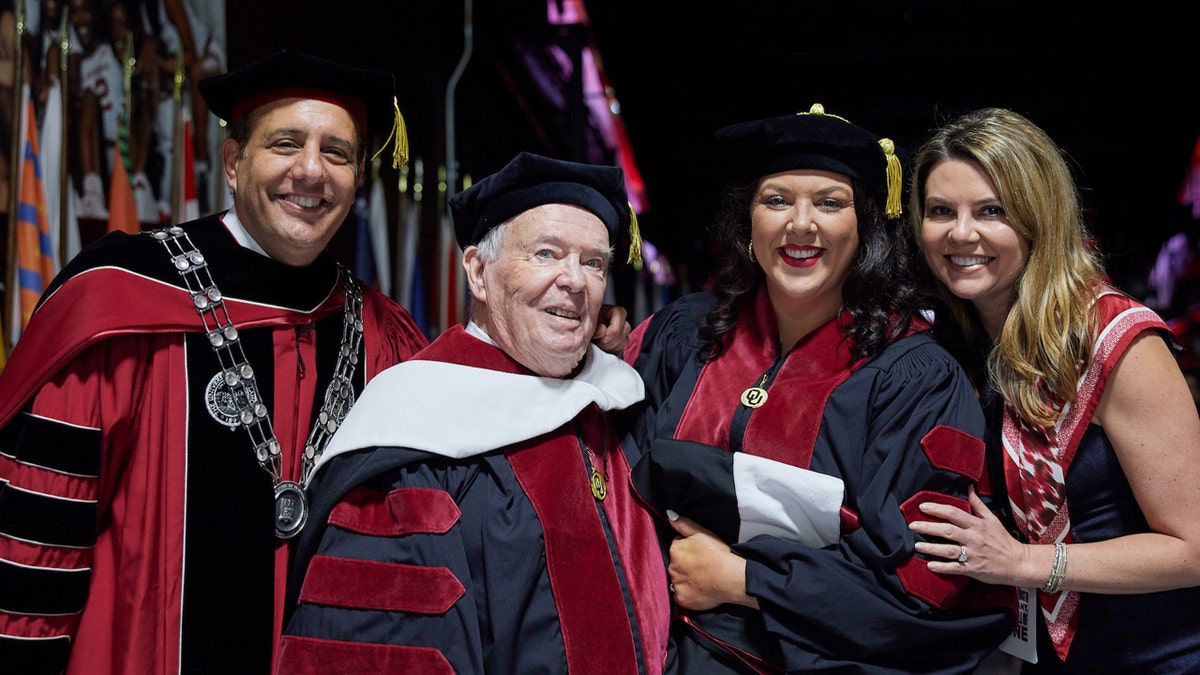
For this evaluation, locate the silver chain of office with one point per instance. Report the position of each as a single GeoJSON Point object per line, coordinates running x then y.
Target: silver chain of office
{"type": "Point", "coordinates": [237, 376]}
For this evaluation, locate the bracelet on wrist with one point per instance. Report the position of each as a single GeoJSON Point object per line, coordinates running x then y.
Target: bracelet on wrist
{"type": "Point", "coordinates": [1058, 570]}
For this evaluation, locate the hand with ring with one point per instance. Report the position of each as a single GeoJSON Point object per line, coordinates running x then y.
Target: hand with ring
{"type": "Point", "coordinates": [974, 543]}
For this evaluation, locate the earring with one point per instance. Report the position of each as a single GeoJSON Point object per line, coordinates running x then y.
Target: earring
{"type": "Point", "coordinates": [750, 252]}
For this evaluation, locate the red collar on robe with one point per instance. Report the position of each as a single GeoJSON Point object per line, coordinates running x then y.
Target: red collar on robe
{"type": "Point", "coordinates": [114, 302]}
{"type": "Point", "coordinates": [587, 590]}
{"type": "Point", "coordinates": [785, 427]}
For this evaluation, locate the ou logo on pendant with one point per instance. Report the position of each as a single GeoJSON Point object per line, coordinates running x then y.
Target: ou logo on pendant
{"type": "Point", "coordinates": [754, 397]}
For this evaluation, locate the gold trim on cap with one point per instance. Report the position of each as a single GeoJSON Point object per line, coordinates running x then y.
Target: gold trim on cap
{"type": "Point", "coordinates": [818, 109]}
{"type": "Point", "coordinates": [894, 172]}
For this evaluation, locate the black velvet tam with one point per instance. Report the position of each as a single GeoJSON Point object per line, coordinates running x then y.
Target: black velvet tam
{"type": "Point", "coordinates": [531, 180]}
{"type": "Point", "coordinates": [369, 95]}
{"type": "Point", "coordinates": [809, 140]}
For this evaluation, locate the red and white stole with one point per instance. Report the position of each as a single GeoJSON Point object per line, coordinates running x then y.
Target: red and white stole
{"type": "Point", "coordinates": [1036, 461]}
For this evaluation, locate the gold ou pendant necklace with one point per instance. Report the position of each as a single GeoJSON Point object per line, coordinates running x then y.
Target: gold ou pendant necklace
{"type": "Point", "coordinates": [598, 481]}
{"type": "Point", "coordinates": [233, 393]}
{"type": "Point", "coordinates": [756, 396]}
{"type": "Point", "coordinates": [599, 486]}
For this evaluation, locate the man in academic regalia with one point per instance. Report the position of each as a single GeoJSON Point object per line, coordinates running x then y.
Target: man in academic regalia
{"type": "Point", "coordinates": [161, 414]}
{"type": "Point", "coordinates": [474, 512]}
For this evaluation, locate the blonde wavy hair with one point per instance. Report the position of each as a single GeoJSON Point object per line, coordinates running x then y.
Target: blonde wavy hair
{"type": "Point", "coordinates": [1046, 342]}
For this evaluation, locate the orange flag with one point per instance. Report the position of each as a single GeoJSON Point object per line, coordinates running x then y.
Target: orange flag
{"type": "Point", "coordinates": [35, 249]}
{"type": "Point", "coordinates": [122, 209]}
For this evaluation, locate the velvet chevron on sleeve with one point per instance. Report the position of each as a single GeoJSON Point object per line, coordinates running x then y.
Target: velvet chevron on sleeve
{"type": "Point", "coordinates": [507, 543]}
{"type": "Point", "coordinates": [132, 516]}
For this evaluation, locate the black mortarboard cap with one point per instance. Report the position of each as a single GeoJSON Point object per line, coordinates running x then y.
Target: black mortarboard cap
{"type": "Point", "coordinates": [815, 140]}
{"type": "Point", "coordinates": [531, 180]}
{"type": "Point", "coordinates": [368, 95]}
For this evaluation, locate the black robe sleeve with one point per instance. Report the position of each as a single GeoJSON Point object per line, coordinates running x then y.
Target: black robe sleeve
{"type": "Point", "coordinates": [901, 430]}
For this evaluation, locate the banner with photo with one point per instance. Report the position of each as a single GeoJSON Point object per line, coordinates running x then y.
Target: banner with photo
{"type": "Point", "coordinates": [126, 143]}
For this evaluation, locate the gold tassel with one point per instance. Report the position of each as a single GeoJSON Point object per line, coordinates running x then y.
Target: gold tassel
{"type": "Point", "coordinates": [635, 240]}
{"type": "Point", "coordinates": [894, 178]}
{"type": "Point", "coordinates": [400, 156]}
{"type": "Point", "coordinates": [400, 133]}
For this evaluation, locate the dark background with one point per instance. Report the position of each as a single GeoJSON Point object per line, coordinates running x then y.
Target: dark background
{"type": "Point", "coordinates": [1113, 86]}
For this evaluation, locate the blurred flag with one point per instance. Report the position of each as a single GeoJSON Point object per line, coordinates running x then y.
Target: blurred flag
{"type": "Point", "coordinates": [188, 207]}
{"type": "Point", "coordinates": [553, 71]}
{"type": "Point", "coordinates": [364, 258]}
{"type": "Point", "coordinates": [122, 207]}
{"type": "Point", "coordinates": [419, 310]}
{"type": "Point", "coordinates": [35, 249]}
{"type": "Point", "coordinates": [450, 276]}
{"type": "Point", "coordinates": [122, 204]}
{"type": "Point", "coordinates": [185, 203]}
{"type": "Point", "coordinates": [377, 225]}
{"type": "Point", "coordinates": [1189, 192]}
{"type": "Point", "coordinates": [410, 231]}
{"type": "Point", "coordinates": [447, 286]}
{"type": "Point", "coordinates": [64, 229]}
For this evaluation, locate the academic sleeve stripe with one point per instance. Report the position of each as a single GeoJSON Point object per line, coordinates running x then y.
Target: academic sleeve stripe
{"type": "Point", "coordinates": [47, 482]}
{"type": "Point", "coordinates": [396, 513]}
{"type": "Point", "coordinates": [303, 655]}
{"type": "Point", "coordinates": [954, 450]}
{"type": "Point", "coordinates": [32, 657]}
{"type": "Point", "coordinates": [938, 590]}
{"type": "Point", "coordinates": [37, 627]}
{"type": "Point", "coordinates": [40, 590]}
{"type": "Point", "coordinates": [367, 584]}
{"type": "Point", "coordinates": [47, 520]}
{"type": "Point", "coordinates": [33, 555]}
{"type": "Point", "coordinates": [52, 445]}
{"type": "Point", "coordinates": [947, 591]}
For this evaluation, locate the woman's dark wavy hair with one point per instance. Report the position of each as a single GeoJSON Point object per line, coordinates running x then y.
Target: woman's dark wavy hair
{"type": "Point", "coordinates": [881, 293]}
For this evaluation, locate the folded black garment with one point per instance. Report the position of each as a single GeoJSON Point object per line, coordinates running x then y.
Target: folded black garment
{"type": "Point", "coordinates": [739, 496]}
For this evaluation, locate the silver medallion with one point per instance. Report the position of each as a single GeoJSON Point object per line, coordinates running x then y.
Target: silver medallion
{"type": "Point", "coordinates": [232, 397]}
{"type": "Point", "coordinates": [224, 405]}
{"type": "Point", "coordinates": [291, 509]}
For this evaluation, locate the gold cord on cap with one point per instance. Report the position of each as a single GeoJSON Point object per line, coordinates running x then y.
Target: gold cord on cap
{"type": "Point", "coordinates": [894, 172]}
{"type": "Point", "coordinates": [894, 178]}
{"type": "Point", "coordinates": [818, 109]}
{"type": "Point", "coordinates": [635, 240]}
{"type": "Point", "coordinates": [400, 133]}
